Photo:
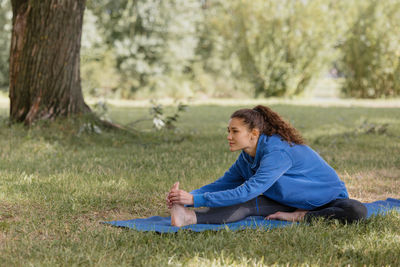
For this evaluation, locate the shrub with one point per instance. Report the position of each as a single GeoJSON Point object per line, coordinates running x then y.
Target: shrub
{"type": "Point", "coordinates": [371, 52]}
{"type": "Point", "coordinates": [281, 45]}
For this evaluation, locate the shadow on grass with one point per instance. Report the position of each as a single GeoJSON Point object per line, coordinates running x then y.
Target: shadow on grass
{"type": "Point", "coordinates": [84, 132]}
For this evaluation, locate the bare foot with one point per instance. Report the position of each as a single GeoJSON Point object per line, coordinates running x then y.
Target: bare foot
{"type": "Point", "coordinates": [295, 216]}
{"type": "Point", "coordinates": [181, 216]}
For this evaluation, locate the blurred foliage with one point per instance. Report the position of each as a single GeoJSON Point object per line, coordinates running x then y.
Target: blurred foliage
{"type": "Point", "coordinates": [215, 48]}
{"type": "Point", "coordinates": [152, 43]}
{"type": "Point", "coordinates": [280, 44]}
{"type": "Point", "coordinates": [371, 51]}
{"type": "Point", "coordinates": [5, 28]}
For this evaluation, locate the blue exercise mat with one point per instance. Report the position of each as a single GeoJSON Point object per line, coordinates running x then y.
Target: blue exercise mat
{"type": "Point", "coordinates": [163, 224]}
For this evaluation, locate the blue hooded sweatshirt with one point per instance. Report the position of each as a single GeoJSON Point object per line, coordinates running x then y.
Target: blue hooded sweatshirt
{"type": "Point", "coordinates": [294, 175]}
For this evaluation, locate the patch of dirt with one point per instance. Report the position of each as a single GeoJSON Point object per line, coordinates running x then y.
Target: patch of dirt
{"type": "Point", "coordinates": [10, 212]}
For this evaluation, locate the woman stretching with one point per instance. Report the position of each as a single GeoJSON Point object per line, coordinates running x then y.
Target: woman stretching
{"type": "Point", "coordinates": [276, 176]}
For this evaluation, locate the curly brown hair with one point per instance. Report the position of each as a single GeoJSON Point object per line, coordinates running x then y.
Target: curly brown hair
{"type": "Point", "coordinates": [269, 123]}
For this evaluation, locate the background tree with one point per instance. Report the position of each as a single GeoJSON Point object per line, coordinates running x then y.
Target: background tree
{"type": "Point", "coordinates": [45, 59]}
{"type": "Point", "coordinates": [5, 27]}
{"type": "Point", "coordinates": [370, 50]}
{"type": "Point", "coordinates": [281, 45]}
{"type": "Point", "coordinates": [151, 44]}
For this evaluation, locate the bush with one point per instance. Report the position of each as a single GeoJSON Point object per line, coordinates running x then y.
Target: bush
{"type": "Point", "coordinates": [281, 45]}
{"type": "Point", "coordinates": [371, 52]}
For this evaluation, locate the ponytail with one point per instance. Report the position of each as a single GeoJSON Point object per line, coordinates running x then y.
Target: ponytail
{"type": "Point", "coordinates": [269, 123]}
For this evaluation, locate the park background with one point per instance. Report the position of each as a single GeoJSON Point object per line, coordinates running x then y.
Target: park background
{"type": "Point", "coordinates": [241, 49]}
{"type": "Point", "coordinates": [170, 73]}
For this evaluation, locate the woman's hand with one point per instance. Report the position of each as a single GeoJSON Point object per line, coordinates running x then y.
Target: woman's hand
{"type": "Point", "coordinates": [177, 196]}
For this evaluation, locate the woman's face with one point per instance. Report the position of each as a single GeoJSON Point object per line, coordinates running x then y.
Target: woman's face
{"type": "Point", "coordinates": [240, 137]}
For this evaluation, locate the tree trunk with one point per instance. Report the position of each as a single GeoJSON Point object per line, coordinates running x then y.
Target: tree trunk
{"type": "Point", "coordinates": [45, 59]}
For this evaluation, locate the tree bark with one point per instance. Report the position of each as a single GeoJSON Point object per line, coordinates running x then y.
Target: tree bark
{"type": "Point", "coordinates": [45, 59]}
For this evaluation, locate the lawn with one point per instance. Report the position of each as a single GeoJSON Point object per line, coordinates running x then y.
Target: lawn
{"type": "Point", "coordinates": [57, 184]}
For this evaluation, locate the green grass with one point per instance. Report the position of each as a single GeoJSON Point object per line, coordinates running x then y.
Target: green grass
{"type": "Point", "coordinates": [56, 186]}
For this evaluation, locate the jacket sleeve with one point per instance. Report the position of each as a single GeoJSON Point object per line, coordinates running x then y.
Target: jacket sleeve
{"type": "Point", "coordinates": [231, 179]}
{"type": "Point", "coordinates": [272, 166]}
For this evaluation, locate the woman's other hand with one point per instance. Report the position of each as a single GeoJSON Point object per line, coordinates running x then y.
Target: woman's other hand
{"type": "Point", "coordinates": [177, 196]}
{"type": "Point", "coordinates": [169, 203]}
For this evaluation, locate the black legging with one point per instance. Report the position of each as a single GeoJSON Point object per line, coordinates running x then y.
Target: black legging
{"type": "Point", "coordinates": [345, 210]}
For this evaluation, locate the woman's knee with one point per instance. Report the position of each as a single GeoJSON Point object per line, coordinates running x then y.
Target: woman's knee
{"type": "Point", "coordinates": [354, 209]}
{"type": "Point", "coordinates": [344, 210]}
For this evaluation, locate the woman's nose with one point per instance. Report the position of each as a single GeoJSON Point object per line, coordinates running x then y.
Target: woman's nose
{"type": "Point", "coordinates": [229, 137]}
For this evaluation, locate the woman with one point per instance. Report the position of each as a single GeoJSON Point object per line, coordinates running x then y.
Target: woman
{"type": "Point", "coordinates": [276, 176]}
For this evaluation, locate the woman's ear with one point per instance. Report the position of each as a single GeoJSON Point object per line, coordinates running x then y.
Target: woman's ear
{"type": "Point", "coordinates": [255, 133]}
